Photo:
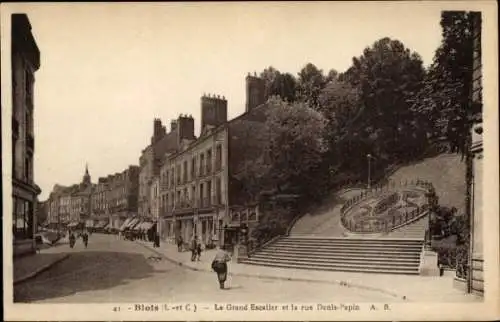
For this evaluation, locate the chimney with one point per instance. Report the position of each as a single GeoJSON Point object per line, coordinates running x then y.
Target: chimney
{"type": "Point", "coordinates": [157, 131]}
{"type": "Point", "coordinates": [213, 110]}
{"type": "Point", "coordinates": [173, 125]}
{"type": "Point", "coordinates": [255, 91]}
{"type": "Point", "coordinates": [186, 127]}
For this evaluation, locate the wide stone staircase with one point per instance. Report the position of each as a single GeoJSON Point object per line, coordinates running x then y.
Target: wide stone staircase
{"type": "Point", "coordinates": [368, 255]}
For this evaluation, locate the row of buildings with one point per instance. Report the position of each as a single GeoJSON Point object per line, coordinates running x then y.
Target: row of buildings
{"type": "Point", "coordinates": [107, 203]}
{"type": "Point", "coordinates": [189, 185]}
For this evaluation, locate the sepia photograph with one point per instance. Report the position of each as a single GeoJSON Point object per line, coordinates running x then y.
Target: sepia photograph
{"type": "Point", "coordinates": [247, 160]}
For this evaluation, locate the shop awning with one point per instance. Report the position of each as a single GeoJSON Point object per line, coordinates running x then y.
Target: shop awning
{"type": "Point", "coordinates": [125, 224]}
{"type": "Point", "coordinates": [132, 223]}
{"type": "Point", "coordinates": [73, 224]}
{"type": "Point", "coordinates": [137, 226]}
{"type": "Point", "coordinates": [147, 225]}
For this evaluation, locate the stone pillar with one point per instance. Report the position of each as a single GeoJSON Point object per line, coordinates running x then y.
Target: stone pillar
{"type": "Point", "coordinates": [429, 263]}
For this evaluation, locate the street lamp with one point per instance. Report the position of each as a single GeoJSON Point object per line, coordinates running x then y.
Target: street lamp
{"type": "Point", "coordinates": [369, 157]}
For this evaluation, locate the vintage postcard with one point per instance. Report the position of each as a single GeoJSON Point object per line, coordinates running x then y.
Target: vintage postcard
{"type": "Point", "coordinates": [250, 161]}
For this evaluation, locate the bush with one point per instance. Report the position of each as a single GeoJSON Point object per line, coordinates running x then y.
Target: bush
{"type": "Point", "coordinates": [454, 257]}
{"type": "Point", "coordinates": [273, 223]}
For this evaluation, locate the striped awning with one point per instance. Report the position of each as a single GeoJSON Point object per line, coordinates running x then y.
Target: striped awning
{"type": "Point", "coordinates": [125, 223]}
{"type": "Point", "coordinates": [132, 223]}
{"type": "Point", "coordinates": [137, 225]}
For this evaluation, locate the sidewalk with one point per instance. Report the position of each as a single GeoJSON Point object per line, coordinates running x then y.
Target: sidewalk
{"type": "Point", "coordinates": [29, 266]}
{"type": "Point", "coordinates": [412, 288]}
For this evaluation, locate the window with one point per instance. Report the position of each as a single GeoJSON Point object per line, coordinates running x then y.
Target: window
{"type": "Point", "coordinates": [209, 161]}
{"type": "Point", "coordinates": [202, 163]}
{"type": "Point", "coordinates": [218, 187]}
{"type": "Point", "coordinates": [218, 157]}
{"type": "Point", "coordinates": [193, 166]}
{"type": "Point", "coordinates": [22, 219]}
{"type": "Point", "coordinates": [27, 168]}
{"type": "Point", "coordinates": [201, 193]}
{"type": "Point", "coordinates": [209, 192]}
{"type": "Point", "coordinates": [185, 172]}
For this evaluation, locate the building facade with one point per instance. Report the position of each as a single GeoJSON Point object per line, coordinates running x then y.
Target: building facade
{"type": "Point", "coordinates": [193, 183]}
{"type": "Point", "coordinates": [99, 201]}
{"type": "Point", "coordinates": [67, 205]}
{"type": "Point", "coordinates": [200, 193]}
{"type": "Point", "coordinates": [25, 61]}
{"type": "Point", "coordinates": [120, 195]}
{"type": "Point", "coordinates": [476, 262]}
{"type": "Point", "coordinates": [150, 162]}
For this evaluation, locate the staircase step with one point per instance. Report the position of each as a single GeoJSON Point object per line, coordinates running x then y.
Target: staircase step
{"type": "Point", "coordinates": [345, 255]}
{"type": "Point", "coordinates": [364, 269]}
{"type": "Point", "coordinates": [346, 247]}
{"type": "Point", "coordinates": [350, 241]}
{"type": "Point", "coordinates": [386, 266]}
{"type": "Point", "coordinates": [331, 261]}
{"type": "Point", "coordinates": [344, 244]}
{"type": "Point", "coordinates": [380, 239]}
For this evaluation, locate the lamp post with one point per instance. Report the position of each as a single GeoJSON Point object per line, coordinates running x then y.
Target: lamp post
{"type": "Point", "coordinates": [369, 157]}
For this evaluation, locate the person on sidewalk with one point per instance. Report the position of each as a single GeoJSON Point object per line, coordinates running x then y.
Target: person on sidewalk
{"type": "Point", "coordinates": [85, 238]}
{"type": "Point", "coordinates": [194, 247]}
{"type": "Point", "coordinates": [72, 240]}
{"type": "Point", "coordinates": [198, 249]}
{"type": "Point", "coordinates": [219, 265]}
{"type": "Point", "coordinates": [179, 243]}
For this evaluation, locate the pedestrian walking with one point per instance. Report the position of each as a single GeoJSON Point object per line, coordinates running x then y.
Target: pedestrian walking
{"type": "Point", "coordinates": [85, 238]}
{"type": "Point", "coordinates": [198, 249]}
{"type": "Point", "coordinates": [194, 247]}
{"type": "Point", "coordinates": [72, 240]}
{"type": "Point", "coordinates": [219, 265]}
{"type": "Point", "coordinates": [179, 243]}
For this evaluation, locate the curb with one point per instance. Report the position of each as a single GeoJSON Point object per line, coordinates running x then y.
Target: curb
{"type": "Point", "coordinates": [341, 283]}
{"type": "Point", "coordinates": [40, 270]}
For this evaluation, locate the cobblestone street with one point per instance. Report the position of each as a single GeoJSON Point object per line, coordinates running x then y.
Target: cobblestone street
{"type": "Point", "coordinates": [112, 270]}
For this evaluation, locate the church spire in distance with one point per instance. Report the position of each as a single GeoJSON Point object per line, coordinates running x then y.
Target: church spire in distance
{"type": "Point", "coordinates": [86, 177]}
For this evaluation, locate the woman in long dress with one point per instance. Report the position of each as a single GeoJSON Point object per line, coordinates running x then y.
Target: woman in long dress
{"type": "Point", "coordinates": [219, 265]}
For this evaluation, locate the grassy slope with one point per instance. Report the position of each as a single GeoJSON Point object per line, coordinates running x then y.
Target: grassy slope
{"type": "Point", "coordinates": [446, 172]}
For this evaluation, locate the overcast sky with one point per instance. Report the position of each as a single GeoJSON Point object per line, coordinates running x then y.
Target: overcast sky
{"type": "Point", "coordinates": [107, 71]}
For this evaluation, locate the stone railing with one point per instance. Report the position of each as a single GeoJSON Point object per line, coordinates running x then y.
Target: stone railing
{"type": "Point", "coordinates": [384, 225]}
{"type": "Point", "coordinates": [390, 222]}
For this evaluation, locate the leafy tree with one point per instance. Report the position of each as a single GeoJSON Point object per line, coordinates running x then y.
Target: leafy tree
{"type": "Point", "coordinates": [311, 82]}
{"type": "Point", "coordinates": [341, 105]}
{"type": "Point", "coordinates": [387, 75]}
{"type": "Point", "coordinates": [294, 146]}
{"type": "Point", "coordinates": [296, 141]}
{"type": "Point", "coordinates": [278, 84]}
{"type": "Point", "coordinates": [444, 98]}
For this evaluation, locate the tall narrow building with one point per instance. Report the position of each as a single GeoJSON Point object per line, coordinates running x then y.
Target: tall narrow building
{"type": "Point", "coordinates": [25, 61]}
